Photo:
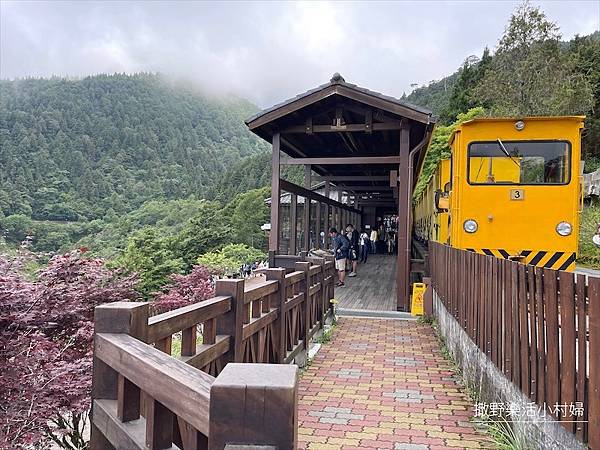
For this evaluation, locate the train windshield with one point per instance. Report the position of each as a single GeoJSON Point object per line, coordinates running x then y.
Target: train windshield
{"type": "Point", "coordinates": [519, 162]}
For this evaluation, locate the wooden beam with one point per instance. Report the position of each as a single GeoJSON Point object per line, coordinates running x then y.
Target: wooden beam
{"type": "Point", "coordinates": [352, 178]}
{"type": "Point", "coordinates": [366, 187]}
{"type": "Point", "coordinates": [403, 257]}
{"type": "Point", "coordinates": [294, 188]}
{"type": "Point", "coordinates": [275, 194]}
{"type": "Point", "coordinates": [393, 178]}
{"type": "Point", "coordinates": [309, 126]}
{"type": "Point", "coordinates": [350, 127]}
{"type": "Point", "coordinates": [318, 228]}
{"type": "Point", "coordinates": [391, 205]}
{"type": "Point", "coordinates": [341, 160]}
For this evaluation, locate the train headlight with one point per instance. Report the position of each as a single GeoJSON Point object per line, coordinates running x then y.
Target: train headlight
{"type": "Point", "coordinates": [470, 226]}
{"type": "Point", "coordinates": [564, 228]}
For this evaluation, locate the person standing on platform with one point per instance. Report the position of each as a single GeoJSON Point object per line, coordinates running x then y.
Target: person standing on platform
{"type": "Point", "coordinates": [341, 246]}
{"type": "Point", "coordinates": [365, 246]}
{"type": "Point", "coordinates": [353, 237]}
{"type": "Point", "coordinates": [374, 240]}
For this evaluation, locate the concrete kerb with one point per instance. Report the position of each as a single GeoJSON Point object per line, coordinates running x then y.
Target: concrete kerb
{"type": "Point", "coordinates": [491, 385]}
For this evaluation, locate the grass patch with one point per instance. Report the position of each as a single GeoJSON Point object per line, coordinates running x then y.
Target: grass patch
{"type": "Point", "coordinates": [326, 335]}
{"type": "Point", "coordinates": [589, 254]}
{"type": "Point", "coordinates": [502, 433]}
{"type": "Point", "coordinates": [176, 343]}
{"type": "Point", "coordinates": [425, 319]}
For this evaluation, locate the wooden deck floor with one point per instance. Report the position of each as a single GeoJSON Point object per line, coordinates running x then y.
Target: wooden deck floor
{"type": "Point", "coordinates": [374, 288]}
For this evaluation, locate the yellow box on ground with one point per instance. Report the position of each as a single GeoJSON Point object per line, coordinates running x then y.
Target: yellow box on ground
{"type": "Point", "coordinates": [416, 307]}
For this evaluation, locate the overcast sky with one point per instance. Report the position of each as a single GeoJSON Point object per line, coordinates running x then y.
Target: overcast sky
{"type": "Point", "coordinates": [265, 51]}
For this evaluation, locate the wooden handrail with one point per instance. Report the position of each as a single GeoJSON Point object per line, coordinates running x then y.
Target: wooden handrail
{"type": "Point", "coordinates": [262, 290]}
{"type": "Point", "coordinates": [175, 384]}
{"type": "Point", "coordinates": [168, 323]}
{"type": "Point", "coordinates": [294, 277]}
{"type": "Point", "coordinates": [137, 384]}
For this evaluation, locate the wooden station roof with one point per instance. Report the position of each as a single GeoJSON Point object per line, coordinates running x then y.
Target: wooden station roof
{"type": "Point", "coordinates": [342, 120]}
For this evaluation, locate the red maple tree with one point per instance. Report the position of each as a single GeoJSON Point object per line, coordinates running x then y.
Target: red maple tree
{"type": "Point", "coordinates": [46, 342]}
{"type": "Point", "coordinates": [46, 332]}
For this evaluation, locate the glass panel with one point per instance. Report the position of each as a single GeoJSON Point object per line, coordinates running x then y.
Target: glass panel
{"type": "Point", "coordinates": [322, 227]}
{"type": "Point", "coordinates": [313, 224]}
{"type": "Point", "coordinates": [284, 225]}
{"type": "Point", "coordinates": [300, 221]}
{"type": "Point", "coordinates": [519, 162]}
{"type": "Point", "coordinates": [331, 224]}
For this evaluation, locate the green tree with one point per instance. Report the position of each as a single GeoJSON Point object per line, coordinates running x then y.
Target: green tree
{"type": "Point", "coordinates": [440, 148]}
{"type": "Point", "coordinates": [586, 52]}
{"type": "Point", "coordinates": [469, 76]}
{"type": "Point", "coordinates": [150, 255]}
{"type": "Point", "coordinates": [229, 259]}
{"type": "Point", "coordinates": [205, 232]}
{"type": "Point", "coordinates": [531, 74]}
{"type": "Point", "coordinates": [248, 212]}
{"type": "Point", "coordinates": [16, 227]}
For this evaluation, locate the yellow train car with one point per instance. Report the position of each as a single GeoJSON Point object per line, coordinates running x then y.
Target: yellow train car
{"type": "Point", "coordinates": [511, 189]}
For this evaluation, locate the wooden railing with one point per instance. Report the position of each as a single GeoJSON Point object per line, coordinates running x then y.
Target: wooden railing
{"type": "Point", "coordinates": [540, 327]}
{"type": "Point", "coordinates": [146, 396]}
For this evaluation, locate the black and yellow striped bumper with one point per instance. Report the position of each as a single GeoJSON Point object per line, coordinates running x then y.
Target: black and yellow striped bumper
{"type": "Point", "coordinates": [539, 258]}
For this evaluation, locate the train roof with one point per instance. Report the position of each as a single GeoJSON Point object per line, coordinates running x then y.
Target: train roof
{"type": "Point", "coordinates": [513, 119]}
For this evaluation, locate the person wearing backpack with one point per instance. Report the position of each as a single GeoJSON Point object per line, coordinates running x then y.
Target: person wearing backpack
{"type": "Point", "coordinates": [341, 246]}
{"type": "Point", "coordinates": [353, 237]}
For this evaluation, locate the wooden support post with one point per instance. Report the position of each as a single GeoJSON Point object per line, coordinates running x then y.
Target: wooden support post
{"type": "Point", "coordinates": [118, 317]}
{"type": "Point", "coordinates": [159, 425]}
{"type": "Point", "coordinates": [293, 224]}
{"type": "Point", "coordinates": [403, 261]}
{"type": "Point", "coordinates": [318, 227]}
{"type": "Point", "coordinates": [279, 301]}
{"type": "Point", "coordinates": [307, 203]}
{"type": "Point", "coordinates": [327, 226]}
{"type": "Point", "coordinates": [327, 222]}
{"type": "Point", "coordinates": [255, 405]}
{"type": "Point", "coordinates": [275, 195]}
{"type": "Point", "coordinates": [594, 363]}
{"type": "Point", "coordinates": [304, 286]}
{"type": "Point", "coordinates": [232, 323]}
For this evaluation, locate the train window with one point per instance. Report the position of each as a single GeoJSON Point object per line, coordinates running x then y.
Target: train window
{"type": "Point", "coordinates": [519, 162]}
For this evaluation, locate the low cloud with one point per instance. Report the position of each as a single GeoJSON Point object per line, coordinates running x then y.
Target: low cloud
{"type": "Point", "coordinates": [264, 51]}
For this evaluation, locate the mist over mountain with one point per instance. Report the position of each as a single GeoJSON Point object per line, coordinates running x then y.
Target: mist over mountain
{"type": "Point", "coordinates": [76, 149]}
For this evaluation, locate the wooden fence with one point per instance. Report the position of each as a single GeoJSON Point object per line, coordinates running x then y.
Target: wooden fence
{"type": "Point", "coordinates": [540, 327]}
{"type": "Point", "coordinates": [146, 397]}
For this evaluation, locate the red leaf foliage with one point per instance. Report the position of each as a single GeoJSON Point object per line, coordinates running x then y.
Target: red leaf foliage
{"type": "Point", "coordinates": [185, 290]}
{"type": "Point", "coordinates": [46, 332]}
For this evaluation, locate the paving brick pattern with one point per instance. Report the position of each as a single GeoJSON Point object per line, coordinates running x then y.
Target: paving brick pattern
{"type": "Point", "coordinates": [384, 384]}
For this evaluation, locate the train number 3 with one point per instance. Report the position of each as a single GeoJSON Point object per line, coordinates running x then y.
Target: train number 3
{"type": "Point", "coordinates": [517, 194]}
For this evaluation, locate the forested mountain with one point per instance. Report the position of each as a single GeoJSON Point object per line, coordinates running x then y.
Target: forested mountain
{"type": "Point", "coordinates": [435, 95]}
{"type": "Point", "coordinates": [76, 150]}
{"type": "Point", "coordinates": [478, 82]}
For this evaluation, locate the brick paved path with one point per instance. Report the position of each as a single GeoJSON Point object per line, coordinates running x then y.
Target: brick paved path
{"type": "Point", "coordinates": [383, 384]}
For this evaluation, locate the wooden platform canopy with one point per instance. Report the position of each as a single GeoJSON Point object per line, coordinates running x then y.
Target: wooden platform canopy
{"type": "Point", "coordinates": [365, 146]}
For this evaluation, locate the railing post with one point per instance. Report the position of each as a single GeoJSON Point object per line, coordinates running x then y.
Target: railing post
{"type": "Point", "coordinates": [594, 363]}
{"type": "Point", "coordinates": [331, 289]}
{"type": "Point", "coordinates": [254, 404]}
{"type": "Point", "coordinates": [323, 293]}
{"type": "Point", "coordinates": [119, 317]}
{"type": "Point", "coordinates": [280, 299]}
{"type": "Point", "coordinates": [232, 323]}
{"type": "Point", "coordinates": [305, 285]}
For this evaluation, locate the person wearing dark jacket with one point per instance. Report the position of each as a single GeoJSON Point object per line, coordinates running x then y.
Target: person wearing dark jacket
{"type": "Point", "coordinates": [341, 246]}
{"type": "Point", "coordinates": [353, 236]}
